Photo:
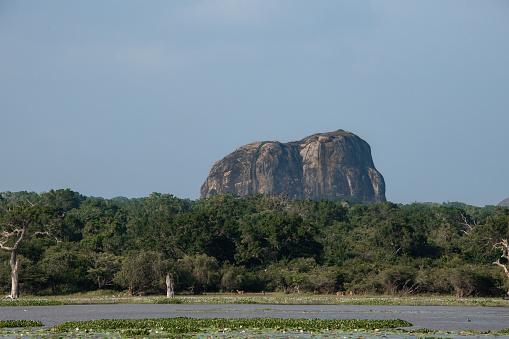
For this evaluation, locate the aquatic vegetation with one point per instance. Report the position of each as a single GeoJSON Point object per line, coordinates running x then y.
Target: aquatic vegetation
{"type": "Point", "coordinates": [334, 300]}
{"type": "Point", "coordinates": [20, 323]}
{"type": "Point", "coordinates": [269, 299]}
{"type": "Point", "coordinates": [136, 332]}
{"type": "Point", "coordinates": [168, 301]}
{"type": "Point", "coordinates": [184, 325]}
{"type": "Point", "coordinates": [31, 302]}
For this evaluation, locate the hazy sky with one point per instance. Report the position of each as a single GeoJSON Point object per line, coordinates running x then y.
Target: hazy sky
{"type": "Point", "coordinates": [125, 98]}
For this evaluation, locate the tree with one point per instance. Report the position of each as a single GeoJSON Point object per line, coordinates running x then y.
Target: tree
{"type": "Point", "coordinates": [20, 224]}
{"type": "Point", "coordinates": [268, 237]}
{"type": "Point", "coordinates": [142, 270]}
{"type": "Point", "coordinates": [64, 199]}
{"type": "Point", "coordinates": [497, 228]}
{"type": "Point", "coordinates": [104, 265]}
{"type": "Point", "coordinates": [104, 225]}
{"type": "Point", "coordinates": [503, 245]}
{"type": "Point", "coordinates": [397, 236]}
{"type": "Point", "coordinates": [232, 277]}
{"type": "Point", "coordinates": [65, 268]}
{"type": "Point", "coordinates": [199, 272]}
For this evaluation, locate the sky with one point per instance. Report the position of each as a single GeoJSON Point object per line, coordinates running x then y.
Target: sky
{"type": "Point", "coordinates": [125, 98]}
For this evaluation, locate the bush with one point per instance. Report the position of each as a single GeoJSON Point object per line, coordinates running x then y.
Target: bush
{"type": "Point", "coordinates": [398, 279]}
{"type": "Point", "coordinates": [469, 280]}
{"type": "Point", "coordinates": [433, 280]}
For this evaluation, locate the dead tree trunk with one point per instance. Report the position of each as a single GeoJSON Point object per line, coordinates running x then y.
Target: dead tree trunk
{"type": "Point", "coordinates": [14, 260]}
{"type": "Point", "coordinates": [170, 293]}
{"type": "Point", "coordinates": [14, 275]}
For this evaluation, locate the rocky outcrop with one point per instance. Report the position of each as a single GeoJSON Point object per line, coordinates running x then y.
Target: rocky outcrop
{"type": "Point", "coordinates": [504, 203]}
{"type": "Point", "coordinates": [334, 166]}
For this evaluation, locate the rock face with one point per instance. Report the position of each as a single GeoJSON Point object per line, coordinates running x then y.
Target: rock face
{"type": "Point", "coordinates": [334, 166]}
{"type": "Point", "coordinates": [504, 202]}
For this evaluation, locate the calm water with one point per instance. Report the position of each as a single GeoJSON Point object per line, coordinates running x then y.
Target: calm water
{"type": "Point", "coordinates": [432, 317]}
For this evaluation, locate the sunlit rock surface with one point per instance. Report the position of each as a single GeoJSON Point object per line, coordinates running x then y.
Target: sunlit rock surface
{"type": "Point", "coordinates": [335, 166]}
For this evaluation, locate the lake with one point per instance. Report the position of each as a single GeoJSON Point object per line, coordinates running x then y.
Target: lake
{"type": "Point", "coordinates": [444, 318]}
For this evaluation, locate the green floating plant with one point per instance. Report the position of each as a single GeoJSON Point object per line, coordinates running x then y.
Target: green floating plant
{"type": "Point", "coordinates": [183, 325]}
{"type": "Point", "coordinates": [31, 302]}
{"type": "Point", "coordinates": [168, 301]}
{"type": "Point", "coordinates": [20, 323]}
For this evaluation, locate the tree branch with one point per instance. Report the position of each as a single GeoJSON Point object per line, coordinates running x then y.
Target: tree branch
{"type": "Point", "coordinates": [6, 235]}
{"type": "Point", "coordinates": [506, 270]}
{"type": "Point", "coordinates": [38, 233]}
{"type": "Point", "coordinates": [504, 246]}
{"type": "Point", "coordinates": [469, 226]}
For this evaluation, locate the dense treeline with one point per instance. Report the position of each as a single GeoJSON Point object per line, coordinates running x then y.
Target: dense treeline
{"type": "Point", "coordinates": [257, 243]}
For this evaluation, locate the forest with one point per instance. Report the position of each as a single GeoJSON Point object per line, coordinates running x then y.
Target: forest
{"type": "Point", "coordinates": [61, 242]}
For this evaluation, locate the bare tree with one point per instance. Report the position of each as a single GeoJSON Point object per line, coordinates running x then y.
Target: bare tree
{"type": "Point", "coordinates": [504, 246]}
{"type": "Point", "coordinates": [20, 224]}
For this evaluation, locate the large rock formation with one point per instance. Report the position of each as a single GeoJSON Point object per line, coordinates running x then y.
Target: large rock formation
{"type": "Point", "coordinates": [504, 203]}
{"type": "Point", "coordinates": [334, 166]}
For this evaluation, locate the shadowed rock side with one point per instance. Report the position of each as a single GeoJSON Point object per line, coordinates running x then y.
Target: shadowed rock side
{"type": "Point", "coordinates": [335, 166]}
{"type": "Point", "coordinates": [504, 203]}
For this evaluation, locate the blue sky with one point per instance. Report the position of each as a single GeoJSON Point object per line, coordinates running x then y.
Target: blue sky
{"type": "Point", "coordinates": [125, 98]}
